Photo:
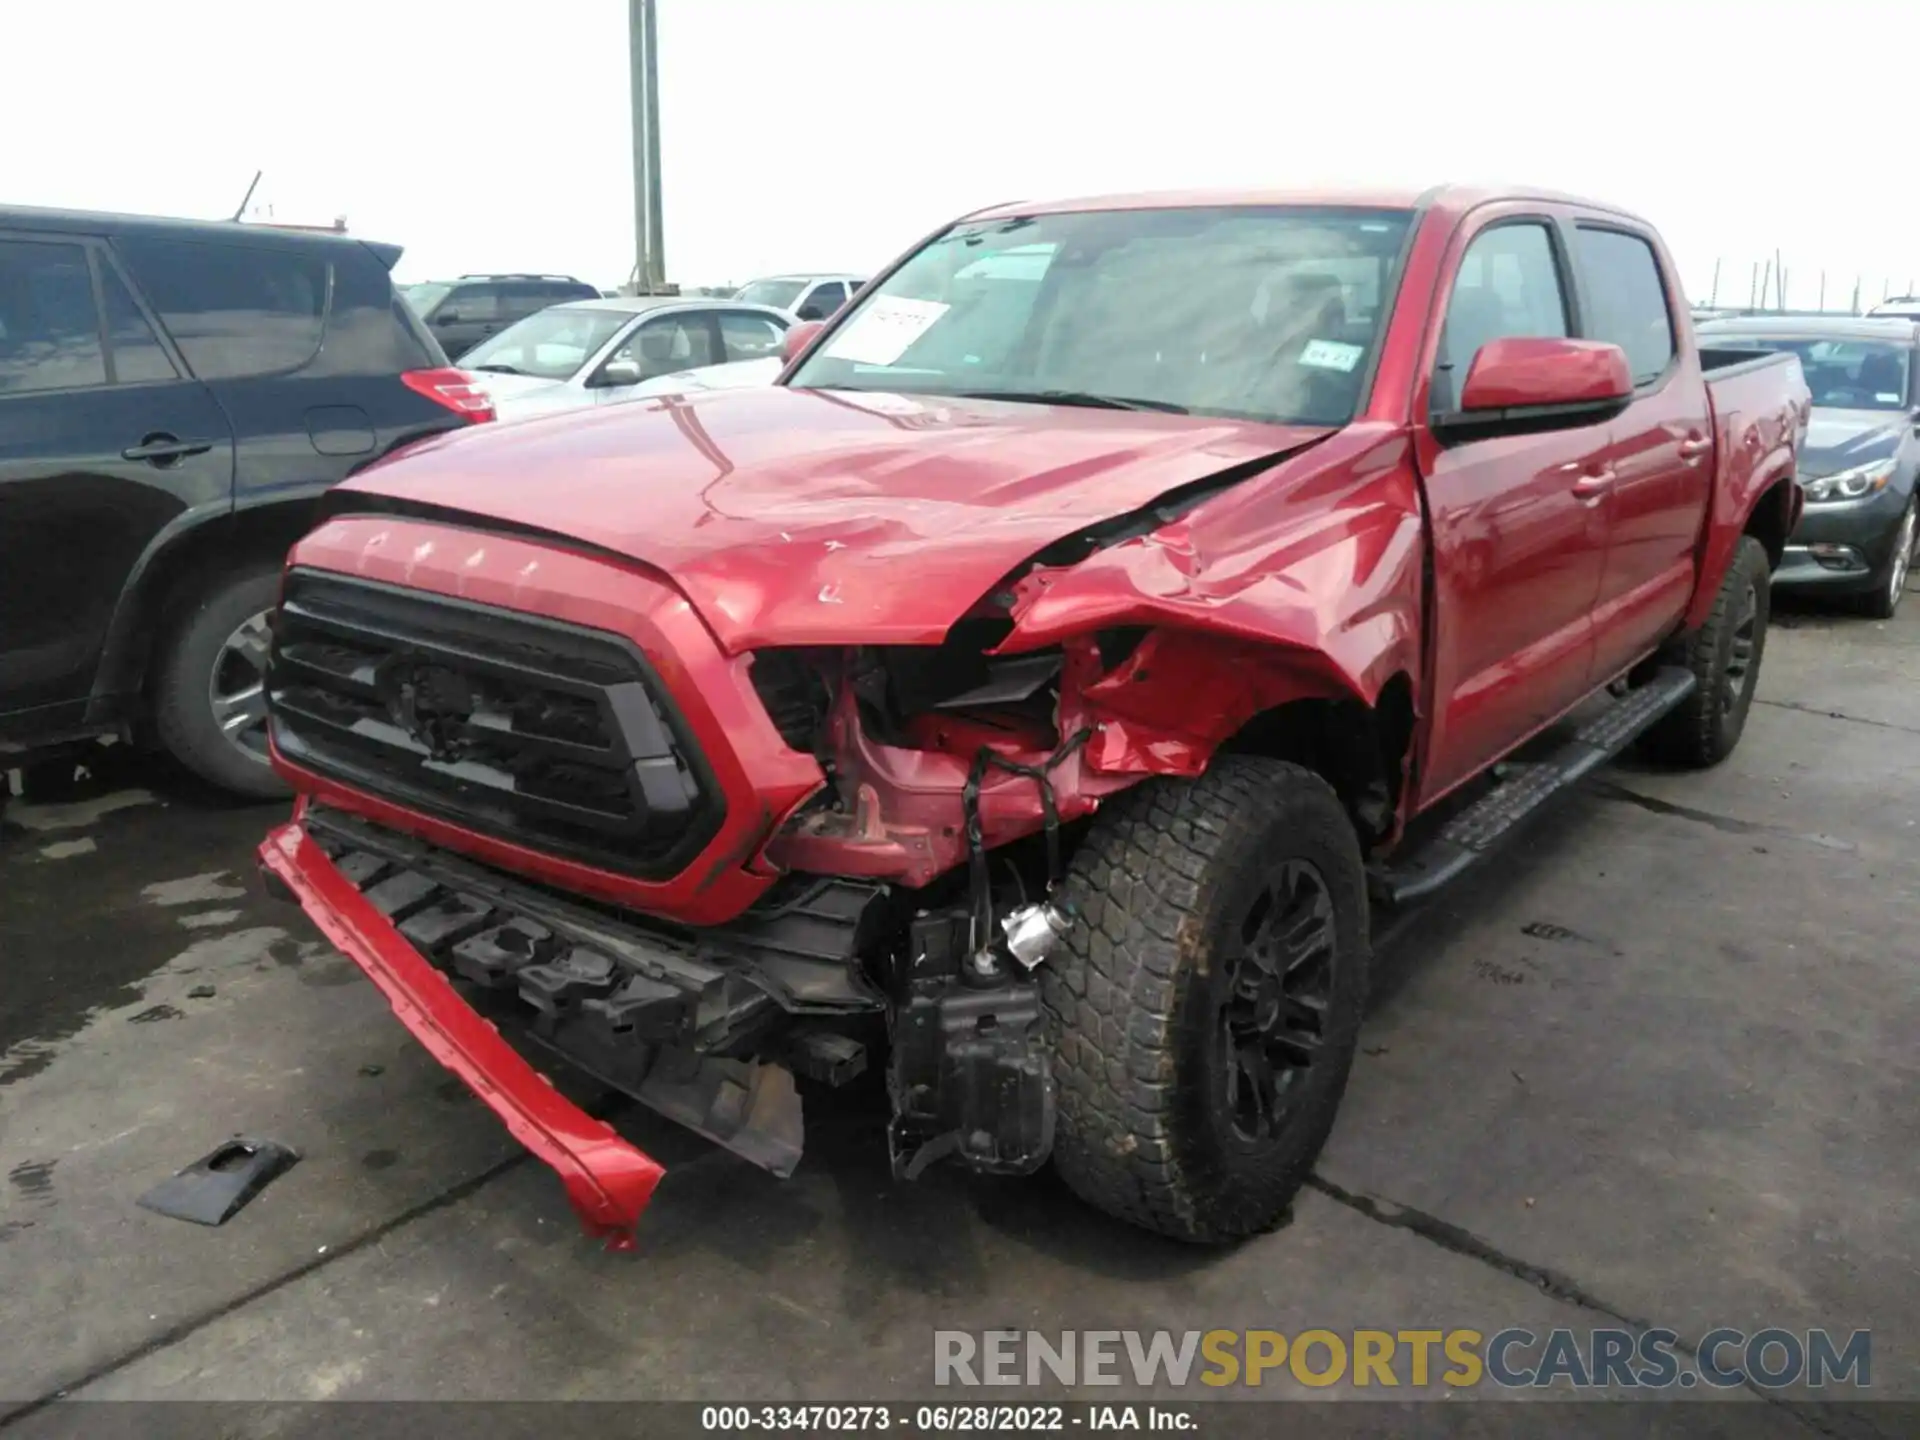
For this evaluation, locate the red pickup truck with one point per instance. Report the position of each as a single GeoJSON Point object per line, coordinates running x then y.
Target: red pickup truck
{"type": "Point", "coordinates": [1033, 693]}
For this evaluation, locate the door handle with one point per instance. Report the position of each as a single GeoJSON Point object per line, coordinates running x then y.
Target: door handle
{"type": "Point", "coordinates": [163, 449]}
{"type": "Point", "coordinates": [1593, 485]}
{"type": "Point", "coordinates": [1692, 449]}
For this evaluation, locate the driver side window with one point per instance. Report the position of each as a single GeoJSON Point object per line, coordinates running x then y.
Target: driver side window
{"type": "Point", "coordinates": [1508, 287]}
{"type": "Point", "coordinates": [669, 344]}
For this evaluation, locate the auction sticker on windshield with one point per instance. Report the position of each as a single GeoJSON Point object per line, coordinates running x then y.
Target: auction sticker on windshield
{"type": "Point", "coordinates": [881, 333]}
{"type": "Point", "coordinates": [1331, 355]}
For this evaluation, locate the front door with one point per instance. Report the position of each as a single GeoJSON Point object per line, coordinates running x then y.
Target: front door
{"type": "Point", "coordinates": [1519, 526]}
{"type": "Point", "coordinates": [104, 443]}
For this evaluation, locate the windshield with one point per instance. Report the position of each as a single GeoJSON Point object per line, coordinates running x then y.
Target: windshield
{"type": "Point", "coordinates": [1842, 374]}
{"type": "Point", "coordinates": [424, 296]}
{"type": "Point", "coordinates": [550, 344]}
{"type": "Point", "coordinates": [1263, 313]}
{"type": "Point", "coordinates": [778, 293]}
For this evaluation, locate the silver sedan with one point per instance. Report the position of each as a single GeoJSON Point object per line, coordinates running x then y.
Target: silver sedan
{"type": "Point", "coordinates": [598, 352]}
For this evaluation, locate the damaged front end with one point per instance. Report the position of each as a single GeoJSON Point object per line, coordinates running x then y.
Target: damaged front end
{"type": "Point", "coordinates": [711, 875]}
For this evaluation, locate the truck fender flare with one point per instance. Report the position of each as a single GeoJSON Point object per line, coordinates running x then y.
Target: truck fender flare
{"type": "Point", "coordinates": [1766, 505]}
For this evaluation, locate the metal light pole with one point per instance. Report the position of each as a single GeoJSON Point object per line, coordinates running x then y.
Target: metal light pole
{"type": "Point", "coordinates": [650, 268]}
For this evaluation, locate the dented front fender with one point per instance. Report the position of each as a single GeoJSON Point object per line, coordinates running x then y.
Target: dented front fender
{"type": "Point", "coordinates": [1305, 585]}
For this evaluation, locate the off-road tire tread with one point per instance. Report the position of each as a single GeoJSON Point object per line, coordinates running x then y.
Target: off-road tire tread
{"type": "Point", "coordinates": [1143, 885]}
{"type": "Point", "coordinates": [1692, 735]}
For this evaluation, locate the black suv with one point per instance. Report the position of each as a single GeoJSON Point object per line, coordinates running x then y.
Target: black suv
{"type": "Point", "coordinates": [461, 313]}
{"type": "Point", "coordinates": [174, 396]}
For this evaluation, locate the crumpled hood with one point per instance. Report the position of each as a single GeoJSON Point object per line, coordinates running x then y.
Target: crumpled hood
{"type": "Point", "coordinates": [1841, 439]}
{"type": "Point", "coordinates": [792, 517]}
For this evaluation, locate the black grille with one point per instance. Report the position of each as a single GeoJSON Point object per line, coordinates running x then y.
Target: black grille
{"type": "Point", "coordinates": [536, 732]}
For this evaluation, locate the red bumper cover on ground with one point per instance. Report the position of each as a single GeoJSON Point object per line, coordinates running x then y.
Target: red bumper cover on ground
{"type": "Point", "coordinates": [608, 1181]}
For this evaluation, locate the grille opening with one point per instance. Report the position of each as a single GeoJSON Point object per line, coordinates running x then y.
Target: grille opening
{"type": "Point", "coordinates": [543, 734]}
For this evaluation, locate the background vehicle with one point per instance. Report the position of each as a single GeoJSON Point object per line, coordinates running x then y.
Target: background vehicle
{"type": "Point", "coordinates": [1858, 468]}
{"type": "Point", "coordinates": [598, 352]}
{"type": "Point", "coordinates": [810, 297]}
{"type": "Point", "coordinates": [173, 396]}
{"type": "Point", "coordinates": [461, 313]}
{"type": "Point", "coordinates": [1898, 307]}
{"type": "Point", "coordinates": [1042, 676]}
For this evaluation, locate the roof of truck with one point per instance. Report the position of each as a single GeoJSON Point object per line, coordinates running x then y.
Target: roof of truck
{"type": "Point", "coordinates": [1457, 199]}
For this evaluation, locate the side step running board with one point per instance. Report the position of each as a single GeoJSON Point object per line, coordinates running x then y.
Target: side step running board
{"type": "Point", "coordinates": [1478, 830]}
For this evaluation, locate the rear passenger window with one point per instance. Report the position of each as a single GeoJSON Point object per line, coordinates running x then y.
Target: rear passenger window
{"type": "Point", "coordinates": [1508, 287]}
{"type": "Point", "coordinates": [527, 297]}
{"type": "Point", "coordinates": [472, 302]}
{"type": "Point", "coordinates": [233, 310]}
{"type": "Point", "coordinates": [137, 356]}
{"type": "Point", "coordinates": [1628, 301]}
{"type": "Point", "coordinates": [49, 329]}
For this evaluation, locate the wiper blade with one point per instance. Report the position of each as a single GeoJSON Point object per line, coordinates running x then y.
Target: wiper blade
{"type": "Point", "coordinates": [1078, 397]}
{"type": "Point", "coordinates": [497, 369]}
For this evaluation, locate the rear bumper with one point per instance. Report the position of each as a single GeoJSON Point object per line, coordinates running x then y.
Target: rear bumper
{"type": "Point", "coordinates": [608, 1181]}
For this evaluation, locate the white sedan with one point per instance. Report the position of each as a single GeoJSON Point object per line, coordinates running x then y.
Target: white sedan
{"type": "Point", "coordinates": [598, 352]}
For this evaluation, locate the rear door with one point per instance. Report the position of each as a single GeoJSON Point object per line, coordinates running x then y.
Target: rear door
{"type": "Point", "coordinates": [106, 447]}
{"type": "Point", "coordinates": [1660, 458]}
{"type": "Point", "coordinates": [1518, 538]}
{"type": "Point", "coordinates": [302, 347]}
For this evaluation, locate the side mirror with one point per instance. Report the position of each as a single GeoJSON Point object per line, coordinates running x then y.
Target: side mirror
{"type": "Point", "coordinates": [446, 317]}
{"type": "Point", "coordinates": [1541, 378]}
{"type": "Point", "coordinates": [798, 337]}
{"type": "Point", "coordinates": [618, 372]}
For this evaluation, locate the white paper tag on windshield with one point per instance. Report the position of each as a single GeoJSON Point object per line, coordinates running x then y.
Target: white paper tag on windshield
{"type": "Point", "coordinates": [881, 333]}
{"type": "Point", "coordinates": [1331, 355]}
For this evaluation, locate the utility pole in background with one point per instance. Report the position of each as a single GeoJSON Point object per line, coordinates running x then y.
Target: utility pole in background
{"type": "Point", "coordinates": [650, 262]}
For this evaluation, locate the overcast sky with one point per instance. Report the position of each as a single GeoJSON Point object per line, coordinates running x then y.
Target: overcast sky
{"type": "Point", "coordinates": [799, 134]}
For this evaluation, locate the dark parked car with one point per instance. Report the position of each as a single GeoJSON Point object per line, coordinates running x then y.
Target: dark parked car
{"type": "Point", "coordinates": [174, 395]}
{"type": "Point", "coordinates": [1858, 468]}
{"type": "Point", "coordinates": [461, 313]}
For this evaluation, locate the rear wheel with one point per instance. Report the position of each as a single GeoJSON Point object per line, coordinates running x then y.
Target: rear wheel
{"type": "Point", "coordinates": [1724, 655]}
{"type": "Point", "coordinates": [210, 702]}
{"type": "Point", "coordinates": [1891, 583]}
{"type": "Point", "coordinates": [1206, 1005]}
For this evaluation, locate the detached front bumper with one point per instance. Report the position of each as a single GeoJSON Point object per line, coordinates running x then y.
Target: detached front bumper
{"type": "Point", "coordinates": [608, 1181]}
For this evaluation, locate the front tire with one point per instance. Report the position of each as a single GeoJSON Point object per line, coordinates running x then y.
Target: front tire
{"type": "Point", "coordinates": [209, 690]}
{"type": "Point", "coordinates": [1724, 655]}
{"type": "Point", "coordinates": [1206, 1004]}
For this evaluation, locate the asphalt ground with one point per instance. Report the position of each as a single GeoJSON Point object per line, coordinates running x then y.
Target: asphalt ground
{"type": "Point", "coordinates": [1655, 1066]}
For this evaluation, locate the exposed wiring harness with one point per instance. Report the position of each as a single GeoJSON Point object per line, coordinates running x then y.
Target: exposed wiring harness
{"type": "Point", "coordinates": [985, 759]}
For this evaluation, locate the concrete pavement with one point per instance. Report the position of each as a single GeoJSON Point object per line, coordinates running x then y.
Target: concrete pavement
{"type": "Point", "coordinates": [1658, 1066]}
